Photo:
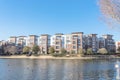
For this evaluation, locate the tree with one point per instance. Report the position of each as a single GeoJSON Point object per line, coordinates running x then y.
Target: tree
{"type": "Point", "coordinates": [110, 10]}
{"type": "Point", "coordinates": [51, 50]}
{"type": "Point", "coordinates": [89, 51]}
{"type": "Point", "coordinates": [26, 49]}
{"type": "Point", "coordinates": [11, 49]}
{"type": "Point", "coordinates": [63, 51]}
{"type": "Point", "coordinates": [102, 51]}
{"type": "Point", "coordinates": [35, 49]}
{"type": "Point", "coordinates": [81, 51]}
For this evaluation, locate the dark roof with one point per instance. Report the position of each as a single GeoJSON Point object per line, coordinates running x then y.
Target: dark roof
{"type": "Point", "coordinates": [107, 35]}
{"type": "Point", "coordinates": [59, 34]}
{"type": "Point", "coordinates": [32, 35]}
{"type": "Point", "coordinates": [93, 34]}
{"type": "Point", "coordinates": [13, 37]}
{"type": "Point", "coordinates": [77, 32]}
{"type": "Point", "coordinates": [22, 36]}
{"type": "Point", "coordinates": [44, 34]}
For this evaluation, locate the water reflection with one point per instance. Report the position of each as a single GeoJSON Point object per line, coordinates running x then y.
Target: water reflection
{"type": "Point", "coordinates": [29, 69]}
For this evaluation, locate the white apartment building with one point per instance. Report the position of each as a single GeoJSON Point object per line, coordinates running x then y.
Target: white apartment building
{"type": "Point", "coordinates": [21, 40]}
{"type": "Point", "coordinates": [68, 42]}
{"type": "Point", "coordinates": [57, 41]}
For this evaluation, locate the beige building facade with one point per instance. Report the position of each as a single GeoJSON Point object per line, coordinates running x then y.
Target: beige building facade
{"type": "Point", "coordinates": [77, 41]}
{"type": "Point", "coordinates": [13, 40]}
{"type": "Point", "coordinates": [32, 40]}
{"type": "Point", "coordinates": [44, 43]}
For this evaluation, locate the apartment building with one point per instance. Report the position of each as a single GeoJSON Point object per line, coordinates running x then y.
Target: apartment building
{"type": "Point", "coordinates": [101, 42]}
{"type": "Point", "coordinates": [77, 41]}
{"type": "Point", "coordinates": [20, 43]}
{"type": "Point", "coordinates": [32, 40]}
{"type": "Point", "coordinates": [21, 40]}
{"type": "Point", "coordinates": [44, 43]}
{"type": "Point", "coordinates": [117, 45]}
{"type": "Point", "coordinates": [109, 43]}
{"type": "Point", "coordinates": [0, 47]}
{"type": "Point", "coordinates": [68, 42]}
{"type": "Point", "coordinates": [57, 41]}
{"type": "Point", "coordinates": [12, 40]}
{"type": "Point", "coordinates": [2, 42]}
{"type": "Point", "coordinates": [92, 42]}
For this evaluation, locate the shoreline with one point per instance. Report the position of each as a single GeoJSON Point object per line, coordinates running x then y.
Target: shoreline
{"type": "Point", "coordinates": [51, 57]}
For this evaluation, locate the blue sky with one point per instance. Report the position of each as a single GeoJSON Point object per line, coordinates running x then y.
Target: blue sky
{"type": "Point", "coordinates": [26, 17]}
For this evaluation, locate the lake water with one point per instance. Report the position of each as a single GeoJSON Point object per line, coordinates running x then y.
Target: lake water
{"type": "Point", "coordinates": [36, 69]}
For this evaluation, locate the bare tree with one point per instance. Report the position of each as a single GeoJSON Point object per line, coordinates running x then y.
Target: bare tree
{"type": "Point", "coordinates": [110, 10]}
{"type": "Point", "coordinates": [11, 49]}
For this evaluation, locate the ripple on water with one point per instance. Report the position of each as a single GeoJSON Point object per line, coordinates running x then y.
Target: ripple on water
{"type": "Point", "coordinates": [27, 69]}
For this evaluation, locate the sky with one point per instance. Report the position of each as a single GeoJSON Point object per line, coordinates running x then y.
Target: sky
{"type": "Point", "coordinates": [35, 17]}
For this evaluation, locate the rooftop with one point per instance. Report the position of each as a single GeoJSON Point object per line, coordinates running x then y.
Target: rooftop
{"type": "Point", "coordinates": [77, 32]}
{"type": "Point", "coordinates": [59, 34]}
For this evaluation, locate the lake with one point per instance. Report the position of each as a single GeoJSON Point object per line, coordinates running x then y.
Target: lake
{"type": "Point", "coordinates": [45, 69]}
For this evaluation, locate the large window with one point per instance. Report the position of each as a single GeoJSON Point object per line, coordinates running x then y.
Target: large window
{"type": "Point", "coordinates": [68, 41]}
{"type": "Point", "coordinates": [75, 36]}
{"type": "Point", "coordinates": [74, 42]}
{"type": "Point", "coordinates": [57, 47]}
{"type": "Point", "coordinates": [57, 43]}
{"type": "Point", "coordinates": [58, 37]}
{"type": "Point", "coordinates": [67, 38]}
{"type": "Point", "coordinates": [74, 47]}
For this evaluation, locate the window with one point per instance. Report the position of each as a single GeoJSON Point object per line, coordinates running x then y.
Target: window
{"type": "Point", "coordinates": [57, 43]}
{"type": "Point", "coordinates": [74, 47]}
{"type": "Point", "coordinates": [43, 39]}
{"type": "Point", "coordinates": [68, 41]}
{"type": "Point", "coordinates": [75, 36]}
{"type": "Point", "coordinates": [58, 37]}
{"type": "Point", "coordinates": [53, 42]}
{"type": "Point", "coordinates": [57, 47]}
{"type": "Point", "coordinates": [67, 38]}
{"type": "Point", "coordinates": [74, 42]}
{"type": "Point", "coordinates": [31, 40]}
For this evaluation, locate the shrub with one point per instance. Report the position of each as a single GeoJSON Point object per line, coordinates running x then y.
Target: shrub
{"type": "Point", "coordinates": [35, 49]}
{"type": "Point", "coordinates": [26, 49]}
{"type": "Point", "coordinates": [89, 51]}
{"type": "Point", "coordinates": [102, 51]}
{"type": "Point", "coordinates": [51, 50]}
{"type": "Point", "coordinates": [63, 51]}
{"type": "Point", "coordinates": [81, 51]}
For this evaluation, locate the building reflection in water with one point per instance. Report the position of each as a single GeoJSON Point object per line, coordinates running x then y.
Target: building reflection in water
{"type": "Point", "coordinates": [33, 69]}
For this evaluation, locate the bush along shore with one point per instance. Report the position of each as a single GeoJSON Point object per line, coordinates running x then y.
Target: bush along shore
{"type": "Point", "coordinates": [36, 52]}
{"type": "Point", "coordinates": [61, 55]}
